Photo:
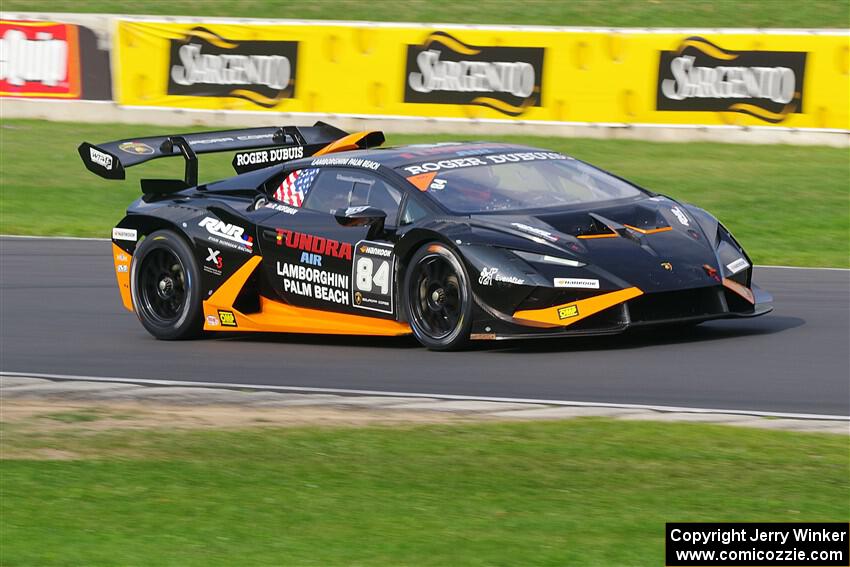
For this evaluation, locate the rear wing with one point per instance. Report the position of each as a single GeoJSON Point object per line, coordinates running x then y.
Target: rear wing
{"type": "Point", "coordinates": [257, 147]}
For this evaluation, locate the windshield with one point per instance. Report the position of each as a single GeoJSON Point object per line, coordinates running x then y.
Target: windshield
{"type": "Point", "coordinates": [516, 181]}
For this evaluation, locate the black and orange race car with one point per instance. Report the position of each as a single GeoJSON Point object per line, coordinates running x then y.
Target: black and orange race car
{"type": "Point", "coordinates": [321, 231]}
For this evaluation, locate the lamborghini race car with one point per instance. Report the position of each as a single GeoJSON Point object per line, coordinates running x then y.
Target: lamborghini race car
{"type": "Point", "coordinates": [322, 231]}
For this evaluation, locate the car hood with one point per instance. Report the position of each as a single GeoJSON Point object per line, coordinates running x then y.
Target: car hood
{"type": "Point", "coordinates": [653, 243]}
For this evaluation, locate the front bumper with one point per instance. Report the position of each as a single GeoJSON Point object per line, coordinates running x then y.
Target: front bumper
{"type": "Point", "coordinates": [616, 312]}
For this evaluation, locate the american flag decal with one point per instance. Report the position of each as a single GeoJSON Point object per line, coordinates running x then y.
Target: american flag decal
{"type": "Point", "coordinates": [294, 188]}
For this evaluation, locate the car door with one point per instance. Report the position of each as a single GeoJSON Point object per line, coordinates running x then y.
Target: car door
{"type": "Point", "coordinates": [312, 260]}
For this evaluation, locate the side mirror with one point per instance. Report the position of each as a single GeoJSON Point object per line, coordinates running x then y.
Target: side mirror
{"type": "Point", "coordinates": [362, 216]}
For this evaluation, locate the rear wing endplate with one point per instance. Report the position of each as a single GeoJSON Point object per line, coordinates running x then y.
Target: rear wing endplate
{"type": "Point", "coordinates": [257, 147]}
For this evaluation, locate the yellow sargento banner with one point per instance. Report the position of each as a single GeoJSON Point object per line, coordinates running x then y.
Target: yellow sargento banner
{"type": "Point", "coordinates": [796, 80]}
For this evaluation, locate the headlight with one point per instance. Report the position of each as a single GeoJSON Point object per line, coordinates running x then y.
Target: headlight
{"type": "Point", "coordinates": [546, 259]}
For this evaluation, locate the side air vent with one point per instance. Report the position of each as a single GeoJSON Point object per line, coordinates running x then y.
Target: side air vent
{"type": "Point", "coordinates": [248, 300]}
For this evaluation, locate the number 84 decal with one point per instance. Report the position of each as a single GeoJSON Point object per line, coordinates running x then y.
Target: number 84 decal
{"type": "Point", "coordinates": [368, 275]}
{"type": "Point", "coordinates": [374, 269]}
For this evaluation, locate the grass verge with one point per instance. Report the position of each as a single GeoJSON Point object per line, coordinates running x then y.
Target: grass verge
{"type": "Point", "coordinates": [629, 13]}
{"type": "Point", "coordinates": [786, 204]}
{"type": "Point", "coordinates": [581, 492]}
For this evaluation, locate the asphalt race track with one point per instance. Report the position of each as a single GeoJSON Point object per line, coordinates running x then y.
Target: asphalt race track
{"type": "Point", "coordinates": [60, 313]}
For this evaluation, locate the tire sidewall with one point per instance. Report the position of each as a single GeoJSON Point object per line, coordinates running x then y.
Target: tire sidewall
{"type": "Point", "coordinates": [190, 322]}
{"type": "Point", "coordinates": [459, 338]}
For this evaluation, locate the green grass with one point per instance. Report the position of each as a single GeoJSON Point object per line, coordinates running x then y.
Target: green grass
{"type": "Point", "coordinates": [86, 415]}
{"type": "Point", "coordinates": [786, 204]}
{"type": "Point", "coordinates": [74, 416]}
{"type": "Point", "coordinates": [635, 13]}
{"type": "Point", "coordinates": [581, 492]}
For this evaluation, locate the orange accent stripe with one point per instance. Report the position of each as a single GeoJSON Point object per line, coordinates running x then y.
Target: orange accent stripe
{"type": "Point", "coordinates": [636, 229]}
{"type": "Point", "coordinates": [275, 316]}
{"type": "Point", "coordinates": [279, 317]}
{"type": "Point", "coordinates": [226, 294]}
{"type": "Point", "coordinates": [123, 277]}
{"type": "Point", "coordinates": [582, 308]}
{"type": "Point", "coordinates": [423, 180]}
{"type": "Point", "coordinates": [649, 231]}
{"type": "Point", "coordinates": [606, 235]}
{"type": "Point", "coordinates": [344, 144]}
{"type": "Point", "coordinates": [741, 290]}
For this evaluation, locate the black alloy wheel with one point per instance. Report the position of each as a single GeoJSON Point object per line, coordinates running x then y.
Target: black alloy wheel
{"type": "Point", "coordinates": [164, 287]}
{"type": "Point", "coordinates": [438, 298]}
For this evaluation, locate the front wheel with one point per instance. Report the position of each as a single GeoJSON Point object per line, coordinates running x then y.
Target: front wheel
{"type": "Point", "coordinates": [438, 298]}
{"type": "Point", "coordinates": [165, 286]}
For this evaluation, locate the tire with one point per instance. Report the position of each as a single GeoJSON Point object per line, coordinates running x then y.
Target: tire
{"type": "Point", "coordinates": [438, 298]}
{"type": "Point", "coordinates": [165, 287]}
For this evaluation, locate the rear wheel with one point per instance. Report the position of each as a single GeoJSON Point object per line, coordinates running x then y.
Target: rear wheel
{"type": "Point", "coordinates": [438, 298]}
{"type": "Point", "coordinates": [165, 287]}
